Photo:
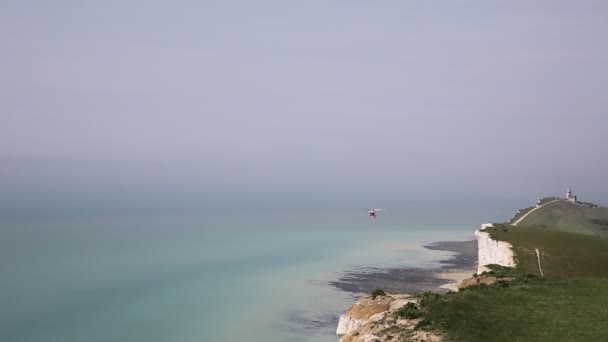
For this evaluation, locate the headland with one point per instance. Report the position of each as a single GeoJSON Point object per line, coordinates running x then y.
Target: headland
{"type": "Point", "coordinates": [543, 276]}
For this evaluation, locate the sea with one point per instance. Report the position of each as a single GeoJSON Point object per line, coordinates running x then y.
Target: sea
{"type": "Point", "coordinates": [239, 275]}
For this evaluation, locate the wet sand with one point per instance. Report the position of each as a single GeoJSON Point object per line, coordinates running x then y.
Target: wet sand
{"type": "Point", "coordinates": [412, 279]}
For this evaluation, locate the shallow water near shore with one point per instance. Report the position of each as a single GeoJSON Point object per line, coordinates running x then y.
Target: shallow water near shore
{"type": "Point", "coordinates": [205, 277]}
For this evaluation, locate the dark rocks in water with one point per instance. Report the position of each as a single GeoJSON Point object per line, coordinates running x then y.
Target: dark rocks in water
{"type": "Point", "coordinates": [466, 257]}
{"type": "Point", "coordinates": [411, 279]}
{"type": "Point", "coordinates": [392, 280]}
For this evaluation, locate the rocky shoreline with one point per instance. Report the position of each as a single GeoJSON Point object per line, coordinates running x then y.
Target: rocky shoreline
{"type": "Point", "coordinates": [414, 279]}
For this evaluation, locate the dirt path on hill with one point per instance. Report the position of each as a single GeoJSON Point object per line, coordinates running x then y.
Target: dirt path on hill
{"type": "Point", "coordinates": [533, 210]}
{"type": "Point", "coordinates": [540, 269]}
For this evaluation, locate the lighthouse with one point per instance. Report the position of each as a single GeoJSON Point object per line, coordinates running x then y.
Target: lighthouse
{"type": "Point", "coordinates": [569, 196]}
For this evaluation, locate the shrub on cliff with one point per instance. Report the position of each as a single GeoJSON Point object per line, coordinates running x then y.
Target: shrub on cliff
{"type": "Point", "coordinates": [378, 293]}
{"type": "Point", "coordinates": [409, 311]}
{"type": "Point", "coordinates": [428, 297]}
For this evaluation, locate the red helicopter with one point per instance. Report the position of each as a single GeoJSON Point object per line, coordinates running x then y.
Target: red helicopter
{"type": "Point", "coordinates": [372, 213]}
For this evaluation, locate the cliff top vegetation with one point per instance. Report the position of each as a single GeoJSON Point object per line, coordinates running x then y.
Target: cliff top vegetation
{"type": "Point", "coordinates": [561, 254]}
{"type": "Point", "coordinates": [569, 303]}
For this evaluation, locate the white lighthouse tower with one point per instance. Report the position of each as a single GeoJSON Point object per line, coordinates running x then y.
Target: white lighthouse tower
{"type": "Point", "coordinates": [569, 196]}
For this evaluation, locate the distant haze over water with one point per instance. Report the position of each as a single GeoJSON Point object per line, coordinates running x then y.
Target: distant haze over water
{"type": "Point", "coordinates": [163, 167]}
{"type": "Point", "coordinates": [320, 104]}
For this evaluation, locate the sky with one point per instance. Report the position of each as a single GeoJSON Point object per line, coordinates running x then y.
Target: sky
{"type": "Point", "coordinates": [208, 104]}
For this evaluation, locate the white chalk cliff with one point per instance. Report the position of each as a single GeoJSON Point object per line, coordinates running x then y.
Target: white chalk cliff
{"type": "Point", "coordinates": [491, 251]}
{"type": "Point", "coordinates": [361, 313]}
{"type": "Point", "coordinates": [368, 319]}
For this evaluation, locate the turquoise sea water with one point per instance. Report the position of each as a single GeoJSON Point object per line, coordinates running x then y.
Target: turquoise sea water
{"type": "Point", "coordinates": [255, 276]}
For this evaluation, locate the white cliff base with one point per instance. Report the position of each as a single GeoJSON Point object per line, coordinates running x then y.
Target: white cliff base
{"type": "Point", "coordinates": [368, 318]}
{"type": "Point", "coordinates": [491, 251]}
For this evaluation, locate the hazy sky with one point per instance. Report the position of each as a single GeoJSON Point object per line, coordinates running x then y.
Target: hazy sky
{"type": "Point", "coordinates": [211, 102]}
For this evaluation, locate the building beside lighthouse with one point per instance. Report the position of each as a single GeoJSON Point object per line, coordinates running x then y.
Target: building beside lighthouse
{"type": "Point", "coordinates": [569, 196]}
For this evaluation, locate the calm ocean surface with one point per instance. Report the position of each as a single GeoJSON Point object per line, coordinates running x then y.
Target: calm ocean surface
{"type": "Point", "coordinates": [208, 277]}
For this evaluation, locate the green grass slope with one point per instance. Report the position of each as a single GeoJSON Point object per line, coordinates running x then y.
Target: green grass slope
{"type": "Point", "coordinates": [562, 254]}
{"type": "Point", "coordinates": [568, 217]}
{"type": "Point", "coordinates": [569, 304]}
{"type": "Point", "coordinates": [536, 309]}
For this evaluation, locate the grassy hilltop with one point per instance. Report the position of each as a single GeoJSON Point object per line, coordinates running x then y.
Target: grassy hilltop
{"type": "Point", "coordinates": [568, 303]}
{"type": "Point", "coordinates": [568, 217]}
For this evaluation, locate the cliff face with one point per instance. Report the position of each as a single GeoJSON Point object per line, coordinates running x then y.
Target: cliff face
{"type": "Point", "coordinates": [361, 313]}
{"type": "Point", "coordinates": [374, 320]}
{"type": "Point", "coordinates": [492, 251]}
